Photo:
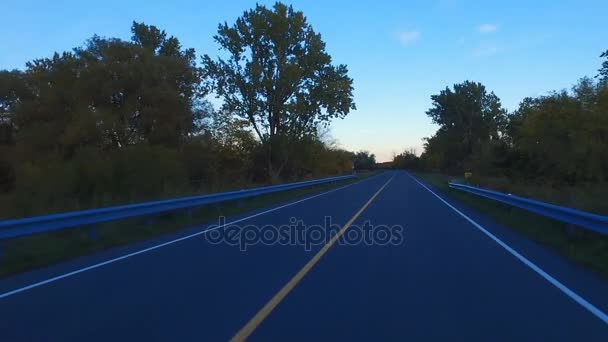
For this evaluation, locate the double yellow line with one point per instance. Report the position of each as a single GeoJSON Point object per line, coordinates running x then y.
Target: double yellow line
{"type": "Point", "coordinates": [259, 317]}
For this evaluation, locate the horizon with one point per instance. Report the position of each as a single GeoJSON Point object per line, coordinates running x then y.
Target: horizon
{"type": "Point", "coordinates": [398, 55]}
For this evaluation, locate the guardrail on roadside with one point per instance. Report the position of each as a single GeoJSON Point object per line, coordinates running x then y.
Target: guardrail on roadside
{"type": "Point", "coordinates": [597, 223]}
{"type": "Point", "coordinates": [40, 224]}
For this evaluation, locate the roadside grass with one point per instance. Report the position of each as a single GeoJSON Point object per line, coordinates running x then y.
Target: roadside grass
{"type": "Point", "coordinates": [19, 205]}
{"type": "Point", "coordinates": [585, 247]}
{"type": "Point", "coordinates": [589, 197]}
{"type": "Point", "coordinates": [41, 250]}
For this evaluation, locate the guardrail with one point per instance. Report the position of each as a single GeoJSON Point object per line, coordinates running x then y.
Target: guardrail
{"type": "Point", "coordinates": [597, 223]}
{"type": "Point", "coordinates": [40, 224]}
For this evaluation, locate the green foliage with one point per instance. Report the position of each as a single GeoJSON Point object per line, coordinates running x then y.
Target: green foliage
{"type": "Point", "coordinates": [279, 78]}
{"type": "Point", "coordinates": [363, 160]}
{"type": "Point", "coordinates": [12, 89]}
{"type": "Point", "coordinates": [107, 95]}
{"type": "Point", "coordinates": [312, 158]}
{"type": "Point", "coordinates": [470, 120]}
{"type": "Point", "coordinates": [603, 72]}
{"type": "Point", "coordinates": [561, 138]}
{"type": "Point", "coordinates": [119, 121]}
{"type": "Point", "coordinates": [92, 178]}
{"type": "Point", "coordinates": [407, 160]}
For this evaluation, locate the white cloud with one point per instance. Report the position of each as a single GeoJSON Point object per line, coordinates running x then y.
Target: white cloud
{"type": "Point", "coordinates": [487, 28]}
{"type": "Point", "coordinates": [408, 37]}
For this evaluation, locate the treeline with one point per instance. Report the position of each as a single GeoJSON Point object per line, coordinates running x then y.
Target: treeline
{"type": "Point", "coordinates": [118, 120]}
{"type": "Point", "coordinates": [364, 160]}
{"type": "Point", "coordinates": [560, 138]}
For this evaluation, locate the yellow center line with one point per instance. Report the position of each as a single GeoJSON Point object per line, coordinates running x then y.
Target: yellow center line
{"type": "Point", "coordinates": [259, 317]}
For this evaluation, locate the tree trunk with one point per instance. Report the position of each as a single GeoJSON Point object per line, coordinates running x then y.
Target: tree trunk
{"type": "Point", "coordinates": [275, 167]}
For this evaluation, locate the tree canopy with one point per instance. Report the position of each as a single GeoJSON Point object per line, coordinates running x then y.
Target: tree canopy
{"type": "Point", "coordinates": [364, 160]}
{"type": "Point", "coordinates": [563, 135]}
{"type": "Point", "coordinates": [119, 120]}
{"type": "Point", "coordinates": [603, 72]}
{"type": "Point", "coordinates": [469, 119]}
{"type": "Point", "coordinates": [279, 77]}
{"type": "Point", "coordinates": [561, 138]}
{"type": "Point", "coordinates": [109, 94]}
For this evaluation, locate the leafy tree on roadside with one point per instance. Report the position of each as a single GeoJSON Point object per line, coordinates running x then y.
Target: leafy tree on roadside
{"type": "Point", "coordinates": [563, 136]}
{"type": "Point", "coordinates": [108, 95]}
{"type": "Point", "coordinates": [603, 72]}
{"type": "Point", "coordinates": [406, 160]}
{"type": "Point", "coordinates": [105, 118]}
{"type": "Point", "coordinates": [363, 160]}
{"type": "Point", "coordinates": [470, 119]}
{"type": "Point", "coordinates": [12, 89]}
{"type": "Point", "coordinates": [279, 77]}
{"type": "Point", "coordinates": [143, 89]}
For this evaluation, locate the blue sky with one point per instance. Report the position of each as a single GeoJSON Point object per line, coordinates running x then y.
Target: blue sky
{"type": "Point", "coordinates": [398, 52]}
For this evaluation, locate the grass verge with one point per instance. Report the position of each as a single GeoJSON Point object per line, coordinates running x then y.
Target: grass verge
{"type": "Point", "coordinates": [585, 247]}
{"type": "Point", "coordinates": [41, 250]}
{"type": "Point", "coordinates": [589, 197]}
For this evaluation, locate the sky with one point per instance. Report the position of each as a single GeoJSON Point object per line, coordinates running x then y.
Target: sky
{"type": "Point", "coordinates": [399, 53]}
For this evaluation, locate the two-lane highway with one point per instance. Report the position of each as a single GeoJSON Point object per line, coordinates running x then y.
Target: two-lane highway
{"type": "Point", "coordinates": [454, 275]}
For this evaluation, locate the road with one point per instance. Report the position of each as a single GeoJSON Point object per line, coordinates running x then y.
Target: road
{"type": "Point", "coordinates": [448, 274]}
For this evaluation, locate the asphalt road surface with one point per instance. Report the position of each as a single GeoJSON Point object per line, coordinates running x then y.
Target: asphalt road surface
{"type": "Point", "coordinates": [385, 258]}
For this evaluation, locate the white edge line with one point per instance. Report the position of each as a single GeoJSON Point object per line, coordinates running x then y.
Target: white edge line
{"type": "Point", "coordinates": [88, 268]}
{"type": "Point", "coordinates": [577, 298]}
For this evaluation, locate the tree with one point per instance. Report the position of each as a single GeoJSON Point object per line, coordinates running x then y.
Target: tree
{"type": "Point", "coordinates": [108, 95]}
{"type": "Point", "coordinates": [144, 89]}
{"type": "Point", "coordinates": [108, 118]}
{"type": "Point", "coordinates": [603, 72]}
{"type": "Point", "coordinates": [563, 136]}
{"type": "Point", "coordinates": [406, 160]}
{"type": "Point", "coordinates": [12, 91]}
{"type": "Point", "coordinates": [279, 78]}
{"type": "Point", "coordinates": [116, 120]}
{"type": "Point", "coordinates": [470, 120]}
{"type": "Point", "coordinates": [363, 160]}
